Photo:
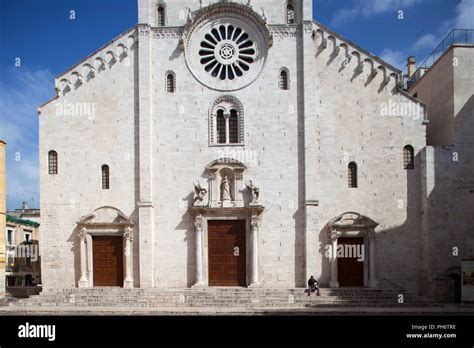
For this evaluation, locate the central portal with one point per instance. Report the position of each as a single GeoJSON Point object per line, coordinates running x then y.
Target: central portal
{"type": "Point", "coordinates": [227, 255]}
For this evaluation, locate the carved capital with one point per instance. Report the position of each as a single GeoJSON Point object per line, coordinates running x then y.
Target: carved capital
{"type": "Point", "coordinates": [198, 223]}
{"type": "Point", "coordinates": [254, 223]}
{"type": "Point", "coordinates": [128, 234]}
{"type": "Point", "coordinates": [82, 233]}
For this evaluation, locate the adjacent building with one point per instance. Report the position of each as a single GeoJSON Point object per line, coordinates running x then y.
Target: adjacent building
{"type": "Point", "coordinates": [23, 259]}
{"type": "Point", "coordinates": [445, 83]}
{"type": "Point", "coordinates": [3, 209]}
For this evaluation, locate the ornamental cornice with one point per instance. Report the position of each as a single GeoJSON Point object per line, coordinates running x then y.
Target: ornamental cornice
{"type": "Point", "coordinates": [167, 33]}
{"type": "Point", "coordinates": [280, 30]}
{"type": "Point", "coordinates": [225, 8]}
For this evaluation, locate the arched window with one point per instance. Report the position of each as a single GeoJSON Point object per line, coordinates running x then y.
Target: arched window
{"type": "Point", "coordinates": [161, 16]}
{"type": "Point", "coordinates": [170, 82]}
{"type": "Point", "coordinates": [233, 127]}
{"type": "Point", "coordinates": [53, 162]}
{"type": "Point", "coordinates": [352, 175]}
{"type": "Point", "coordinates": [105, 177]}
{"type": "Point", "coordinates": [226, 122]}
{"type": "Point", "coordinates": [290, 13]}
{"type": "Point", "coordinates": [408, 157]}
{"type": "Point", "coordinates": [221, 132]}
{"type": "Point", "coordinates": [284, 84]}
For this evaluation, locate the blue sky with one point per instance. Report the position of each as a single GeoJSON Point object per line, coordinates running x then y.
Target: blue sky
{"type": "Point", "coordinates": [40, 35]}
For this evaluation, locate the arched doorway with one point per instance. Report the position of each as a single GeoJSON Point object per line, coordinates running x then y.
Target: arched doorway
{"type": "Point", "coordinates": [352, 251]}
{"type": "Point", "coordinates": [106, 252]}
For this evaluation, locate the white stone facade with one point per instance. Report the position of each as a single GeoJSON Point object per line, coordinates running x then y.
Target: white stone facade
{"type": "Point", "coordinates": [295, 144]}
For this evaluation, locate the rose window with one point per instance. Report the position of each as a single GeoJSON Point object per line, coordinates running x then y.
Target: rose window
{"type": "Point", "coordinates": [227, 52]}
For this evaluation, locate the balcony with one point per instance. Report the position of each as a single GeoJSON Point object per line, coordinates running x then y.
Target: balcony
{"type": "Point", "coordinates": [455, 37]}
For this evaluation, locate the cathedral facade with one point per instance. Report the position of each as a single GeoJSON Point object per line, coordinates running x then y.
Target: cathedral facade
{"type": "Point", "coordinates": [231, 143]}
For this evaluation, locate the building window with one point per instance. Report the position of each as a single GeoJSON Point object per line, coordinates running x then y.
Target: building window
{"type": "Point", "coordinates": [352, 175]}
{"type": "Point", "coordinates": [408, 157]}
{"type": "Point", "coordinates": [233, 127]}
{"type": "Point", "coordinates": [227, 52]}
{"type": "Point", "coordinates": [284, 83]}
{"type": "Point", "coordinates": [10, 237]}
{"type": "Point", "coordinates": [105, 177]}
{"type": "Point", "coordinates": [221, 138]}
{"type": "Point", "coordinates": [53, 162]}
{"type": "Point", "coordinates": [290, 13]}
{"type": "Point", "coordinates": [226, 122]}
{"type": "Point", "coordinates": [161, 16]}
{"type": "Point", "coordinates": [27, 235]}
{"type": "Point", "coordinates": [170, 82]}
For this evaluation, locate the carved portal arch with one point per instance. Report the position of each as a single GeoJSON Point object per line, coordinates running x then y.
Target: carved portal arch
{"type": "Point", "coordinates": [105, 221]}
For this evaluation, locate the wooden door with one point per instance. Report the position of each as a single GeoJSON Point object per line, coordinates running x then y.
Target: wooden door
{"type": "Point", "coordinates": [227, 256]}
{"type": "Point", "coordinates": [108, 261]}
{"type": "Point", "coordinates": [350, 272]}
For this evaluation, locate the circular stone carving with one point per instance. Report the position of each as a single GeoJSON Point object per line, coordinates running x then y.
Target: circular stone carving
{"type": "Point", "coordinates": [226, 51]}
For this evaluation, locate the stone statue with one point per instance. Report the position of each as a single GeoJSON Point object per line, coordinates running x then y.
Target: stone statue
{"type": "Point", "coordinates": [263, 16]}
{"type": "Point", "coordinates": [254, 192]}
{"type": "Point", "coordinates": [190, 15]}
{"type": "Point", "coordinates": [225, 189]}
{"type": "Point", "coordinates": [199, 194]}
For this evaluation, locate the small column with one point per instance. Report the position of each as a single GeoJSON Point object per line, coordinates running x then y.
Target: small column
{"type": "Point", "coordinates": [83, 281]}
{"type": "Point", "coordinates": [373, 283]}
{"type": "Point", "coordinates": [334, 283]}
{"type": "Point", "coordinates": [128, 281]}
{"type": "Point", "coordinates": [254, 281]}
{"type": "Point", "coordinates": [213, 189]}
{"type": "Point", "coordinates": [227, 128]}
{"type": "Point", "coordinates": [238, 195]}
{"type": "Point", "coordinates": [198, 224]}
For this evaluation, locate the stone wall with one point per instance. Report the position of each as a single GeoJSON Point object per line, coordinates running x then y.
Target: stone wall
{"type": "Point", "coordinates": [352, 124]}
{"type": "Point", "coordinates": [90, 123]}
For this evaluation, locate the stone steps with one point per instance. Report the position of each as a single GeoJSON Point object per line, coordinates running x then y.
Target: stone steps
{"type": "Point", "coordinates": [220, 297]}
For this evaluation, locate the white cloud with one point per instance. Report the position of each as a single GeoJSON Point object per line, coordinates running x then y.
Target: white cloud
{"type": "Point", "coordinates": [396, 58]}
{"type": "Point", "coordinates": [428, 41]}
{"type": "Point", "coordinates": [369, 8]}
{"type": "Point", "coordinates": [464, 19]}
{"type": "Point", "coordinates": [464, 15]}
{"type": "Point", "coordinates": [19, 99]}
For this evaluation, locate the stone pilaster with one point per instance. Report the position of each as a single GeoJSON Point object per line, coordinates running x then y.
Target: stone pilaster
{"type": "Point", "coordinates": [198, 224]}
{"type": "Point", "coordinates": [254, 256]}
{"type": "Point", "coordinates": [145, 205]}
{"type": "Point", "coordinates": [83, 281]}
{"type": "Point", "coordinates": [334, 283]}
{"type": "Point", "coordinates": [373, 283]}
{"type": "Point", "coordinates": [128, 254]}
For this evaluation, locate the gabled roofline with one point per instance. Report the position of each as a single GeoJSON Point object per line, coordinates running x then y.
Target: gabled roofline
{"type": "Point", "coordinates": [364, 51]}
{"type": "Point", "coordinates": [91, 55]}
{"type": "Point", "coordinates": [95, 52]}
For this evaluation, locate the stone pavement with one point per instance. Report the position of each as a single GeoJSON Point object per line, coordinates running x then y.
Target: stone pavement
{"type": "Point", "coordinates": [457, 309]}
